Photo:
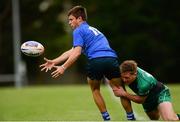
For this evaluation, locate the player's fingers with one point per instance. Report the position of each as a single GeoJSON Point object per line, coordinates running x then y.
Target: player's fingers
{"type": "Point", "coordinates": [45, 59]}
{"type": "Point", "coordinates": [54, 72]}
{"type": "Point", "coordinates": [120, 87]}
{"type": "Point", "coordinates": [43, 69]}
{"type": "Point", "coordinates": [55, 75]}
{"type": "Point", "coordinates": [47, 69]}
{"type": "Point", "coordinates": [41, 65]}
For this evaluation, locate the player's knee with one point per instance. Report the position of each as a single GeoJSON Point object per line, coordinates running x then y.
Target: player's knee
{"type": "Point", "coordinates": [156, 117]}
{"type": "Point", "coordinates": [153, 115]}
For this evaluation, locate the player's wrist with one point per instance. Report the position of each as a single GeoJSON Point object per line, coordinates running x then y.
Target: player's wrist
{"type": "Point", "coordinates": [63, 67]}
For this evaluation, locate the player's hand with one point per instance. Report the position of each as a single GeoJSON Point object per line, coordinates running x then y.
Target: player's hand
{"type": "Point", "coordinates": [122, 92]}
{"type": "Point", "coordinates": [119, 91]}
{"type": "Point", "coordinates": [58, 72]}
{"type": "Point", "coordinates": [48, 65]}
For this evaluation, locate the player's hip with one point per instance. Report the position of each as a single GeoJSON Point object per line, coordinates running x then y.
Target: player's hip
{"type": "Point", "coordinates": [153, 101]}
{"type": "Point", "coordinates": [105, 66]}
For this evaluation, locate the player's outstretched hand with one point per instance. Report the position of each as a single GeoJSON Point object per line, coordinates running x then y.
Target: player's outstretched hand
{"type": "Point", "coordinates": [48, 65]}
{"type": "Point", "coordinates": [58, 72]}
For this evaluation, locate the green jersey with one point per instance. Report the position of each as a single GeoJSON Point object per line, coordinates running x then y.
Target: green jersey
{"type": "Point", "coordinates": [146, 85]}
{"type": "Point", "coordinates": [143, 83]}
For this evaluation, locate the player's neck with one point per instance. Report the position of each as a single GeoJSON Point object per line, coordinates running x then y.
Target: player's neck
{"type": "Point", "coordinates": [80, 23]}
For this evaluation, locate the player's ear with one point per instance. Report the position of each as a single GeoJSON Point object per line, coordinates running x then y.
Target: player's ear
{"type": "Point", "coordinates": [135, 73]}
{"type": "Point", "coordinates": [79, 18]}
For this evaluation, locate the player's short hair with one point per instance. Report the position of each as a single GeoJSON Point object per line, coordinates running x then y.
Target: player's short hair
{"type": "Point", "coordinates": [78, 11]}
{"type": "Point", "coordinates": [128, 66]}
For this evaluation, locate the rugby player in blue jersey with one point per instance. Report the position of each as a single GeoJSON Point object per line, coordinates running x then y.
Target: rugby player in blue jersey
{"type": "Point", "coordinates": [102, 60]}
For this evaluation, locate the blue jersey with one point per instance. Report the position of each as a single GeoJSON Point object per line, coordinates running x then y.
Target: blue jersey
{"type": "Point", "coordinates": [92, 41]}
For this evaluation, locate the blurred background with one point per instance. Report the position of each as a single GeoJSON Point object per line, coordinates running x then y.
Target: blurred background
{"type": "Point", "coordinates": [145, 31]}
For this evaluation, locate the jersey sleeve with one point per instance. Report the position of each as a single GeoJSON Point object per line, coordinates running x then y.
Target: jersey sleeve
{"type": "Point", "coordinates": [77, 39]}
{"type": "Point", "coordinates": [144, 91]}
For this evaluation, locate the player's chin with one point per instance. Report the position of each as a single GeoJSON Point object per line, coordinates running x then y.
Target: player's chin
{"type": "Point", "coordinates": [73, 27]}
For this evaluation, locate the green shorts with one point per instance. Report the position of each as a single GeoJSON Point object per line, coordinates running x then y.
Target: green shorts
{"type": "Point", "coordinates": [154, 101]}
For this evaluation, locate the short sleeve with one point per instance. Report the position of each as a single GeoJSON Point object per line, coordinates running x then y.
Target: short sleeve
{"type": "Point", "coordinates": [145, 90]}
{"type": "Point", "coordinates": [77, 39]}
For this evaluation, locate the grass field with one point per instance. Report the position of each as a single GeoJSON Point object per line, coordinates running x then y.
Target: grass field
{"type": "Point", "coordinates": [65, 103]}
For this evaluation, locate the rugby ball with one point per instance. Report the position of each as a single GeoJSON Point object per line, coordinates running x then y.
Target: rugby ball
{"type": "Point", "coordinates": [32, 48]}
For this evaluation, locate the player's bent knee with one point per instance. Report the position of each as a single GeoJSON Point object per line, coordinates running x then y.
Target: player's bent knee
{"type": "Point", "coordinates": [153, 115]}
{"type": "Point", "coordinates": [156, 117]}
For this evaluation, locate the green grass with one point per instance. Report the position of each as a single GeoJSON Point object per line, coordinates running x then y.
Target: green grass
{"type": "Point", "coordinates": [64, 103]}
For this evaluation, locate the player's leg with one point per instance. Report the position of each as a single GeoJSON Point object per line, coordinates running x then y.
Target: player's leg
{"type": "Point", "coordinates": [150, 107]}
{"type": "Point", "coordinates": [115, 83]}
{"type": "Point", "coordinates": [165, 106]}
{"type": "Point", "coordinates": [112, 73]}
{"type": "Point", "coordinates": [166, 111]}
{"type": "Point", "coordinates": [95, 88]}
{"type": "Point", "coordinates": [95, 75]}
{"type": "Point", "coordinates": [153, 115]}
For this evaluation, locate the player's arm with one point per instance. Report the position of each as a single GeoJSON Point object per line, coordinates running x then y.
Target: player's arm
{"type": "Point", "coordinates": [62, 57]}
{"type": "Point", "coordinates": [50, 63]}
{"type": "Point", "coordinates": [74, 55]}
{"type": "Point", "coordinates": [135, 98]}
{"type": "Point", "coordinates": [126, 103]}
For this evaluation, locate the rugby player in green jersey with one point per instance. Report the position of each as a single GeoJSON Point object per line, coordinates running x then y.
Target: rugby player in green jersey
{"type": "Point", "coordinates": [152, 94]}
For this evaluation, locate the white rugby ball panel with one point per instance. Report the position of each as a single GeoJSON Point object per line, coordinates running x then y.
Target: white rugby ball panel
{"type": "Point", "coordinates": [32, 48]}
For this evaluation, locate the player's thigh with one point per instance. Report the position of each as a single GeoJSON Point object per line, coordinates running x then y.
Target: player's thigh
{"type": "Point", "coordinates": [153, 115]}
{"type": "Point", "coordinates": [115, 82]}
{"type": "Point", "coordinates": [166, 111]}
{"type": "Point", "coordinates": [94, 84]}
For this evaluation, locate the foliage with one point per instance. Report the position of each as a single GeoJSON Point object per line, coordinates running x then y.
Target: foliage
{"type": "Point", "coordinates": [146, 31]}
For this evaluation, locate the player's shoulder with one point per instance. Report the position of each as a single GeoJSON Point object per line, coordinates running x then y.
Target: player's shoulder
{"type": "Point", "coordinates": [144, 74]}
{"type": "Point", "coordinates": [145, 79]}
{"type": "Point", "coordinates": [83, 27]}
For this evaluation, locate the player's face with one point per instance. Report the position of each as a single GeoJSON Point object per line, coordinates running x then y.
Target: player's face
{"type": "Point", "coordinates": [73, 22]}
{"type": "Point", "coordinates": [128, 77]}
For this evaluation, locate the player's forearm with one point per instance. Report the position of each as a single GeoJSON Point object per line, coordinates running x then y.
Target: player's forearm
{"type": "Point", "coordinates": [135, 98]}
{"type": "Point", "coordinates": [62, 57]}
{"type": "Point", "coordinates": [76, 52]}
